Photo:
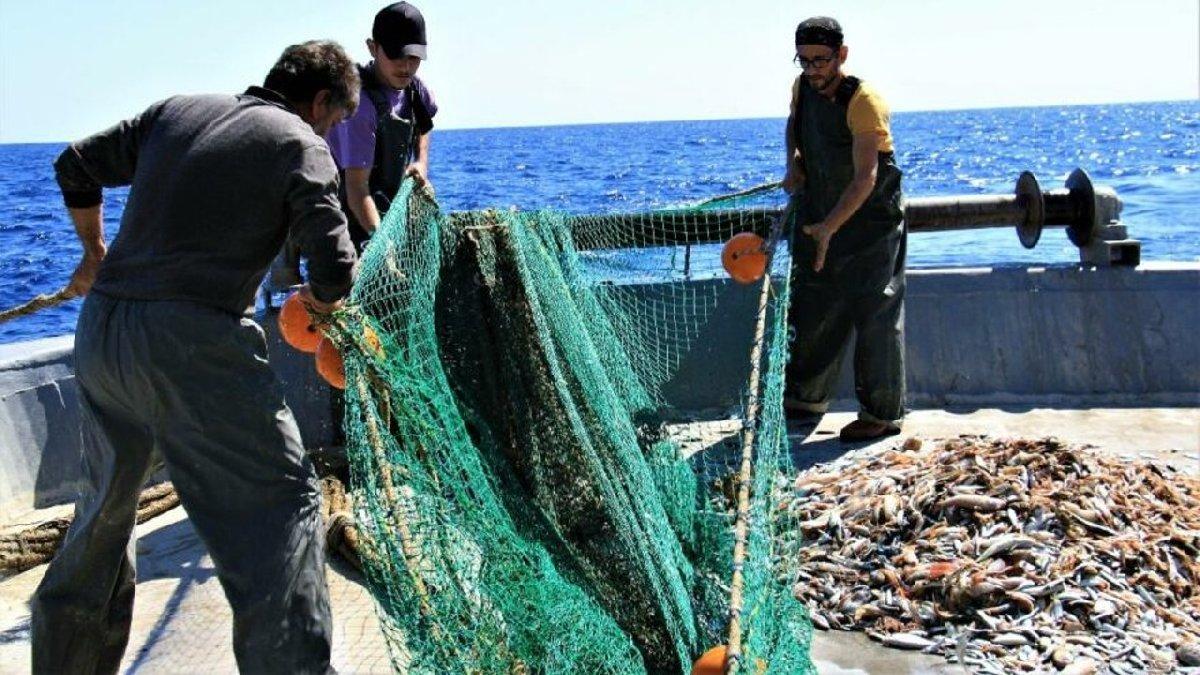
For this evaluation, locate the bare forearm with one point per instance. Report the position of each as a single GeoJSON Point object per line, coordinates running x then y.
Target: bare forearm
{"type": "Point", "coordinates": [866, 168]}
{"type": "Point", "coordinates": [89, 227]}
{"type": "Point", "coordinates": [422, 154]}
{"type": "Point", "coordinates": [358, 198]}
{"type": "Point", "coordinates": [363, 208]}
{"type": "Point", "coordinates": [852, 199]}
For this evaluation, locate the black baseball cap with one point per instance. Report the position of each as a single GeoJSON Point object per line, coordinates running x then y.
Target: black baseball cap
{"type": "Point", "coordinates": [400, 29]}
{"type": "Point", "coordinates": [819, 30]}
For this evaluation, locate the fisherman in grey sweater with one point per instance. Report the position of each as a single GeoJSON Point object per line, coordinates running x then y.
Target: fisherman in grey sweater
{"type": "Point", "coordinates": [171, 367]}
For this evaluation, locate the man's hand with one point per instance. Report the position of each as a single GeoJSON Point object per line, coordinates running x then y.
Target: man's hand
{"type": "Point", "coordinates": [821, 233]}
{"type": "Point", "coordinates": [85, 274]}
{"type": "Point", "coordinates": [316, 306]}
{"type": "Point", "coordinates": [418, 171]}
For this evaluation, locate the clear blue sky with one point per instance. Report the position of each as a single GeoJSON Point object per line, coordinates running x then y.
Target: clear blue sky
{"type": "Point", "coordinates": [70, 68]}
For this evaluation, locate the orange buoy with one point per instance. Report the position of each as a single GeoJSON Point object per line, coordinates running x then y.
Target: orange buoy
{"type": "Point", "coordinates": [329, 363]}
{"type": "Point", "coordinates": [711, 662]}
{"type": "Point", "coordinates": [297, 326]}
{"type": "Point", "coordinates": [744, 257]}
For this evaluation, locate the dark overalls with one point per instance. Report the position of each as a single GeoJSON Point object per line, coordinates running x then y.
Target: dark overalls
{"type": "Point", "coordinates": [189, 385]}
{"type": "Point", "coordinates": [395, 138]}
{"type": "Point", "coordinates": [862, 284]}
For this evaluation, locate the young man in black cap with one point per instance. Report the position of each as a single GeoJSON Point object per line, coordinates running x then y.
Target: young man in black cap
{"type": "Point", "coordinates": [388, 137]}
{"type": "Point", "coordinates": [848, 256]}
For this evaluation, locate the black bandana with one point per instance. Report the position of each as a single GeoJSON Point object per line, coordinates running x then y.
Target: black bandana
{"type": "Point", "coordinates": [819, 30]}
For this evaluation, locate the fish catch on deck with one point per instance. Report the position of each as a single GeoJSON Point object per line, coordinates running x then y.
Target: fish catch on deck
{"type": "Point", "coordinates": [1004, 555]}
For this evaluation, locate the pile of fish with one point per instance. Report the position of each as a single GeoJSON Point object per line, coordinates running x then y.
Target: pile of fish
{"type": "Point", "coordinates": [1003, 556]}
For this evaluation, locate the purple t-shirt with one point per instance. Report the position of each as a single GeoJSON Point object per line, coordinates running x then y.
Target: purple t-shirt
{"type": "Point", "coordinates": [352, 142]}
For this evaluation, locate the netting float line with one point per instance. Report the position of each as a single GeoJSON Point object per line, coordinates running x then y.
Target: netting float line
{"type": "Point", "coordinates": [522, 506]}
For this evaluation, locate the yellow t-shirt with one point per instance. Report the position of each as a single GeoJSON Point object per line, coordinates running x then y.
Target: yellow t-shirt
{"type": "Point", "coordinates": [867, 113]}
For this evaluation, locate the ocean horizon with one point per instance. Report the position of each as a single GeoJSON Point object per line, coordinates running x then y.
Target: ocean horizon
{"type": "Point", "coordinates": [556, 125]}
{"type": "Point", "coordinates": [1148, 152]}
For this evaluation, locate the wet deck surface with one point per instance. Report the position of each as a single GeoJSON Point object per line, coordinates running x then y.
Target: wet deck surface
{"type": "Point", "coordinates": [182, 623]}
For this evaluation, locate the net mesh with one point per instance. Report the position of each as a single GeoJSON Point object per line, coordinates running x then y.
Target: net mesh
{"type": "Point", "coordinates": [525, 502]}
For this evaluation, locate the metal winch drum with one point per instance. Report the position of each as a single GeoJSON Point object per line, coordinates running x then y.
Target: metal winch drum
{"type": "Point", "coordinates": [1075, 207]}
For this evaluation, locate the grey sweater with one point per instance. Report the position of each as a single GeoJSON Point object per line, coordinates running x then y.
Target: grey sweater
{"type": "Point", "coordinates": [218, 183]}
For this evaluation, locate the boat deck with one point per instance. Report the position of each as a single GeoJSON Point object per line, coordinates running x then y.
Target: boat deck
{"type": "Point", "coordinates": [182, 623]}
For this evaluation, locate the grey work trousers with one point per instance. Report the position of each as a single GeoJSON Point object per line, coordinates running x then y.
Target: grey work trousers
{"type": "Point", "coordinates": [824, 312]}
{"type": "Point", "coordinates": [188, 385]}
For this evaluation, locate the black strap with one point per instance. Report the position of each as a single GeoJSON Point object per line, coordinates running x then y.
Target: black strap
{"type": "Point", "coordinates": [373, 88]}
{"type": "Point", "coordinates": [845, 91]}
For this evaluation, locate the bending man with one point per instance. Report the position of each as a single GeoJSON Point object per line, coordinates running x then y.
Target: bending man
{"type": "Point", "coordinates": [169, 362]}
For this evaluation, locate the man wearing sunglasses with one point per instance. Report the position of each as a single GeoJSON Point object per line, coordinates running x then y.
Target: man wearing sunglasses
{"type": "Point", "coordinates": [848, 253]}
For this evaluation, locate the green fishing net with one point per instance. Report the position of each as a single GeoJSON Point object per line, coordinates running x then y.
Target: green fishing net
{"type": "Point", "coordinates": [524, 502]}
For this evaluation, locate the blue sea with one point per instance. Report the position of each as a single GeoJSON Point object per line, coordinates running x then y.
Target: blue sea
{"type": "Point", "coordinates": [1149, 153]}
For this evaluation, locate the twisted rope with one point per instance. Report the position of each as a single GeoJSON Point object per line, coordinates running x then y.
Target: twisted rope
{"type": "Point", "coordinates": [37, 304]}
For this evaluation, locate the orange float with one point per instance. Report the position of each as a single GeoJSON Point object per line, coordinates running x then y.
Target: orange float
{"type": "Point", "coordinates": [711, 662]}
{"type": "Point", "coordinates": [330, 365]}
{"type": "Point", "coordinates": [744, 257]}
{"type": "Point", "coordinates": [297, 327]}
